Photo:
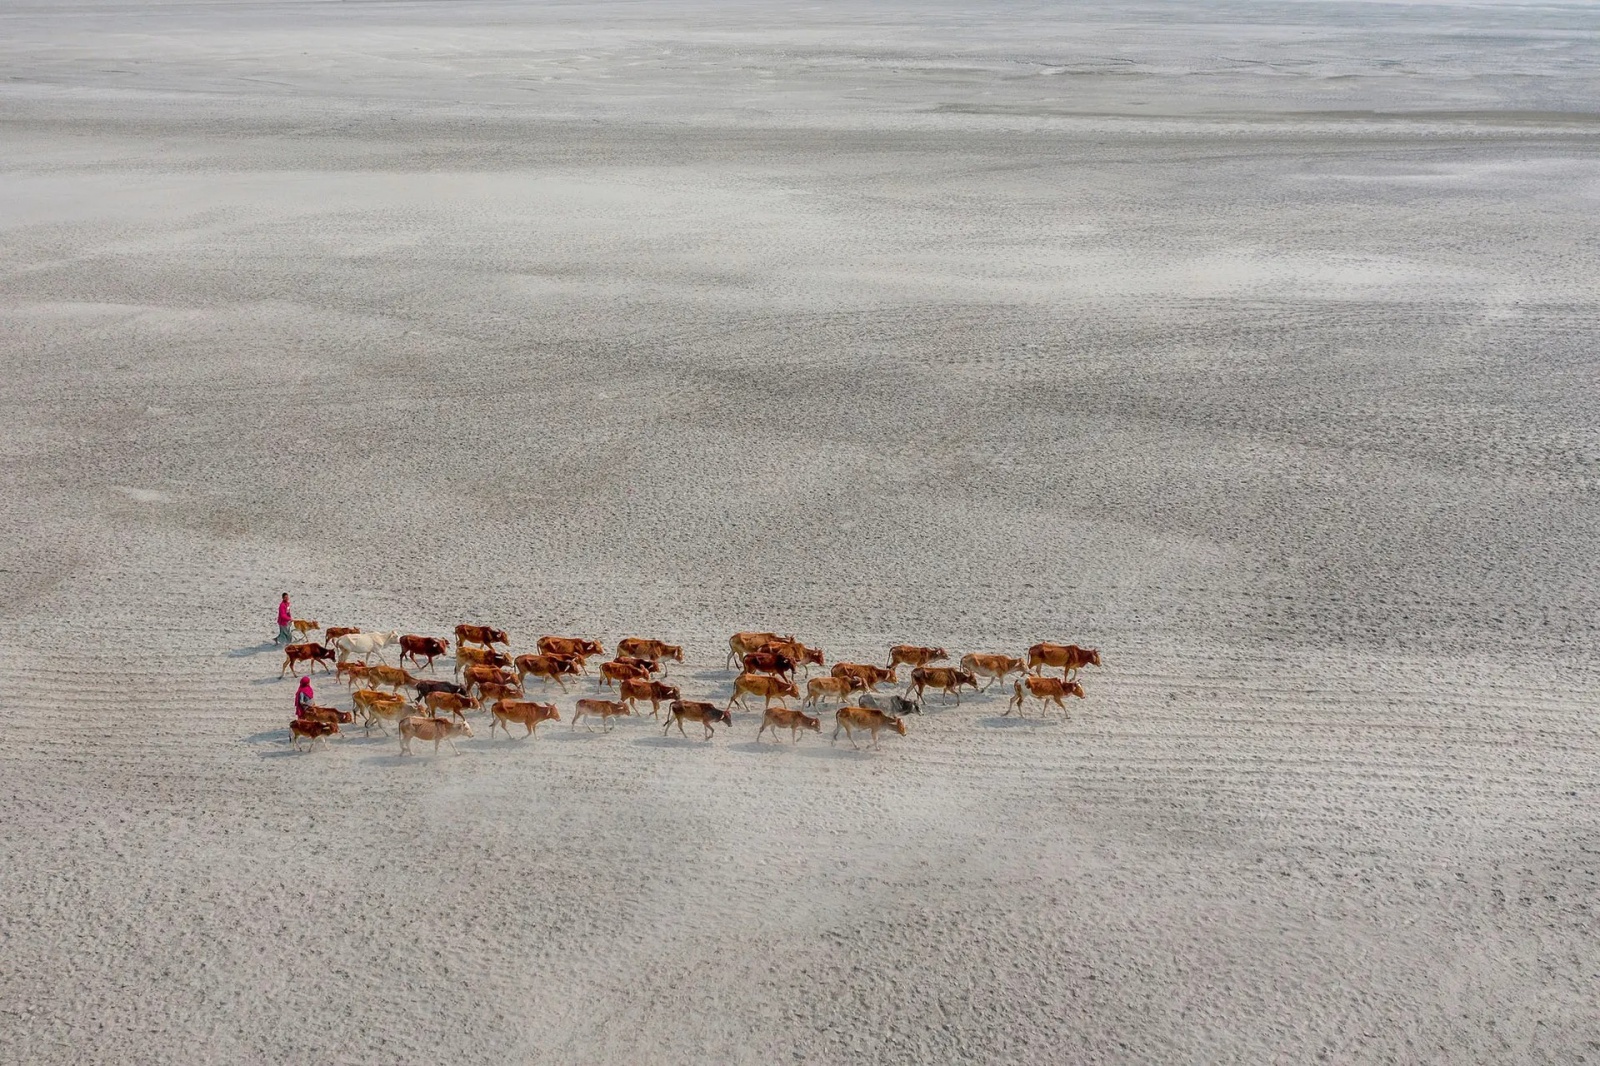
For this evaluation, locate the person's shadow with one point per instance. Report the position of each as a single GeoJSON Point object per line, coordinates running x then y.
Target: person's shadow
{"type": "Point", "coordinates": [254, 649]}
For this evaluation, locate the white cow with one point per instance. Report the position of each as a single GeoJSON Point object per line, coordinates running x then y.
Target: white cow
{"type": "Point", "coordinates": [364, 644]}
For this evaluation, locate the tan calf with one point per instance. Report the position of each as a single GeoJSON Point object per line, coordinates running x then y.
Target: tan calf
{"type": "Point", "coordinates": [825, 689]}
{"type": "Point", "coordinates": [851, 719]}
{"type": "Point", "coordinates": [434, 729]}
{"type": "Point", "coordinates": [778, 718]}
{"type": "Point", "coordinates": [707, 714]}
{"type": "Point", "coordinates": [1045, 690]}
{"type": "Point", "coordinates": [523, 712]}
{"type": "Point", "coordinates": [995, 667]}
{"type": "Point", "coordinates": [605, 710]}
{"type": "Point", "coordinates": [767, 687]}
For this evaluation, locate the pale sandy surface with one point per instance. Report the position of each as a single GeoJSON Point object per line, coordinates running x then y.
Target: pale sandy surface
{"type": "Point", "coordinates": [1254, 344]}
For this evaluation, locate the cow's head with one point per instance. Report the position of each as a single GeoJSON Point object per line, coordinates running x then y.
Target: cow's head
{"type": "Point", "coordinates": [899, 725]}
{"type": "Point", "coordinates": [673, 652]}
{"type": "Point", "coordinates": [1094, 656]}
{"type": "Point", "coordinates": [939, 653]}
{"type": "Point", "coordinates": [1072, 688]}
{"type": "Point", "coordinates": [465, 727]}
{"type": "Point", "coordinates": [813, 724]}
{"type": "Point", "coordinates": [910, 706]}
{"type": "Point", "coordinates": [889, 675]}
{"type": "Point", "coordinates": [966, 677]}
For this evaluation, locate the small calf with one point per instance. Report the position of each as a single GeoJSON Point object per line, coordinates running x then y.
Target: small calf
{"type": "Point", "coordinates": [311, 729]}
{"type": "Point", "coordinates": [778, 718]}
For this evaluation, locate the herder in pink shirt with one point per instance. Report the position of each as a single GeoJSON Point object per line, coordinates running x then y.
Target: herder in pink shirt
{"type": "Point", "coordinates": [284, 618]}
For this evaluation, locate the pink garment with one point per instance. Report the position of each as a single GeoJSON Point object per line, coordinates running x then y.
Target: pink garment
{"type": "Point", "coordinates": [284, 617]}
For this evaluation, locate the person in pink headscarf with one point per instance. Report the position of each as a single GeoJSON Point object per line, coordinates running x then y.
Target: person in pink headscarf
{"type": "Point", "coordinates": [303, 697]}
{"type": "Point", "coordinates": [284, 618]}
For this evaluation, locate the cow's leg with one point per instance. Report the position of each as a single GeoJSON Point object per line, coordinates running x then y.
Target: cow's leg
{"type": "Point", "coordinates": [681, 733]}
{"type": "Point", "coordinates": [851, 733]}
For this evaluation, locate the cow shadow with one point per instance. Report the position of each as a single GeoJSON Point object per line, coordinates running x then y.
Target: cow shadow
{"type": "Point", "coordinates": [833, 751]}
{"type": "Point", "coordinates": [673, 741]}
{"type": "Point", "coordinates": [1002, 722]}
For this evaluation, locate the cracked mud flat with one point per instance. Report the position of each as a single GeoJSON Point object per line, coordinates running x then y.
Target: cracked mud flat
{"type": "Point", "coordinates": [1252, 344]}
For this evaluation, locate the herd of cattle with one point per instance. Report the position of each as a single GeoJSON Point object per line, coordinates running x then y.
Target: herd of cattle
{"type": "Point", "coordinates": [494, 680]}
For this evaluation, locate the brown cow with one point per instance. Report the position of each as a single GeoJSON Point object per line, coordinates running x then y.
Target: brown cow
{"type": "Point", "coordinates": [484, 635]}
{"type": "Point", "coordinates": [1069, 657]}
{"type": "Point", "coordinates": [434, 729]}
{"type": "Point", "coordinates": [798, 653]}
{"type": "Point", "coordinates": [478, 675]}
{"type": "Point", "coordinates": [305, 628]}
{"type": "Point", "coordinates": [333, 633]}
{"type": "Point", "coordinates": [947, 679]}
{"type": "Point", "coordinates": [295, 654]}
{"type": "Point", "coordinates": [915, 655]}
{"type": "Point", "coordinates": [707, 714]}
{"type": "Point", "coordinates": [466, 657]}
{"type": "Point", "coordinates": [870, 676]}
{"type": "Point", "coordinates": [548, 667]}
{"type": "Point", "coordinates": [850, 719]}
{"type": "Point", "coordinates": [638, 688]}
{"type": "Point", "coordinates": [605, 710]}
{"type": "Point", "coordinates": [524, 712]}
{"type": "Point", "coordinates": [769, 662]}
{"type": "Point", "coordinates": [571, 647]}
{"type": "Point", "coordinates": [442, 703]}
{"type": "Point", "coordinates": [742, 644]}
{"type": "Point", "coordinates": [418, 648]}
{"type": "Point", "coordinates": [330, 715]}
{"type": "Point", "coordinates": [654, 650]}
{"type": "Point", "coordinates": [764, 685]}
{"type": "Point", "coordinates": [615, 671]}
{"type": "Point", "coordinates": [1044, 689]}
{"type": "Point", "coordinates": [351, 672]}
{"type": "Point", "coordinates": [994, 667]}
{"type": "Point", "coordinates": [778, 718]}
{"type": "Point", "coordinates": [376, 707]}
{"type": "Point", "coordinates": [302, 727]}
{"type": "Point", "coordinates": [391, 676]}
{"type": "Point", "coordinates": [819, 689]}
{"type": "Point", "coordinates": [489, 691]}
